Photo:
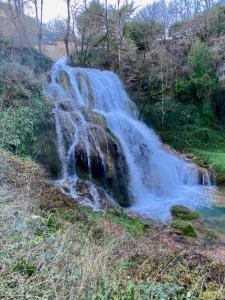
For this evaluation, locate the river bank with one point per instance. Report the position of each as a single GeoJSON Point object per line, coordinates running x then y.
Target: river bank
{"type": "Point", "coordinates": [49, 243]}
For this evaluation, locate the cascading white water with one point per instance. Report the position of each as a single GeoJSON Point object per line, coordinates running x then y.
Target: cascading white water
{"type": "Point", "coordinates": [158, 178]}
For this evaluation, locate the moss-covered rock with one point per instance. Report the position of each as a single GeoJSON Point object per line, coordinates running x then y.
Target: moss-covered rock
{"type": "Point", "coordinates": [184, 213]}
{"type": "Point", "coordinates": [46, 146]}
{"type": "Point", "coordinates": [184, 227]}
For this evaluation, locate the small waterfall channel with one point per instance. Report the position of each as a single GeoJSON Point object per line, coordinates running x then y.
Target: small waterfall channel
{"type": "Point", "coordinates": [109, 157]}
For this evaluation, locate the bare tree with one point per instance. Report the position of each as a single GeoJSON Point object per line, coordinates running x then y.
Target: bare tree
{"type": "Point", "coordinates": [74, 11]}
{"type": "Point", "coordinates": [121, 14]}
{"type": "Point", "coordinates": [67, 34]}
{"type": "Point", "coordinates": [39, 20]}
{"type": "Point", "coordinates": [17, 10]}
{"type": "Point", "coordinates": [107, 33]}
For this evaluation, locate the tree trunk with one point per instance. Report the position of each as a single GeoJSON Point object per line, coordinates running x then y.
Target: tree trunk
{"type": "Point", "coordinates": [107, 33]}
{"type": "Point", "coordinates": [66, 38]}
{"type": "Point", "coordinates": [40, 35]}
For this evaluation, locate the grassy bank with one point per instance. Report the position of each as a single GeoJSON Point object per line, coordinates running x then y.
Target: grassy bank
{"type": "Point", "coordinates": [52, 248]}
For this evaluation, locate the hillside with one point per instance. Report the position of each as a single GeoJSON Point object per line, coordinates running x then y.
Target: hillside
{"type": "Point", "coordinates": [51, 245]}
{"type": "Point", "coordinates": [112, 160]}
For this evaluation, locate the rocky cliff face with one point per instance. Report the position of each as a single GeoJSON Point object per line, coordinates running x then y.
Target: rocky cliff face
{"type": "Point", "coordinates": [87, 149]}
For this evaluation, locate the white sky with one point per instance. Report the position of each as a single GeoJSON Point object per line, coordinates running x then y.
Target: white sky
{"type": "Point", "coordinates": [57, 8]}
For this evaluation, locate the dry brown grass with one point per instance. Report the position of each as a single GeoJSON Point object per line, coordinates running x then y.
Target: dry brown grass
{"type": "Point", "coordinates": [51, 248]}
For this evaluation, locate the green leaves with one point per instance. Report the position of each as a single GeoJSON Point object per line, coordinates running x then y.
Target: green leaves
{"type": "Point", "coordinates": [160, 291]}
{"type": "Point", "coordinates": [17, 128]}
{"type": "Point", "coordinates": [23, 108]}
{"type": "Point", "coordinates": [199, 60]}
{"type": "Point", "coordinates": [203, 81]}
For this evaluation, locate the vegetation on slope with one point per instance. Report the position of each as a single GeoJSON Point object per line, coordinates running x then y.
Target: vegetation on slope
{"type": "Point", "coordinates": [23, 106]}
{"type": "Point", "coordinates": [192, 124]}
{"type": "Point", "coordinates": [52, 247]}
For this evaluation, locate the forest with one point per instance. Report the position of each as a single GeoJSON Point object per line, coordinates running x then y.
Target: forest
{"type": "Point", "coordinates": [112, 160]}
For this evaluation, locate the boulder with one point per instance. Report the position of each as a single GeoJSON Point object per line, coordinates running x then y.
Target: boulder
{"type": "Point", "coordinates": [184, 213]}
{"type": "Point", "coordinates": [184, 228]}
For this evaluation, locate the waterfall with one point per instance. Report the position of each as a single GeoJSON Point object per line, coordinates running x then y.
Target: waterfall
{"type": "Point", "coordinates": [155, 177]}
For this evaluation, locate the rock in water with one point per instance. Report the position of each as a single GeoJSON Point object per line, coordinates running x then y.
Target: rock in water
{"type": "Point", "coordinates": [184, 213]}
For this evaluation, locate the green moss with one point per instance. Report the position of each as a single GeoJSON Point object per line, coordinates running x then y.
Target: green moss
{"type": "Point", "coordinates": [184, 227]}
{"type": "Point", "coordinates": [183, 213]}
{"type": "Point", "coordinates": [45, 145]}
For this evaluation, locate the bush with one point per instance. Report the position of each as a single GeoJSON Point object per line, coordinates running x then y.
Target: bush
{"type": "Point", "coordinates": [23, 108]}
{"type": "Point", "coordinates": [17, 83]}
{"type": "Point", "coordinates": [28, 57]}
{"type": "Point", "coordinates": [195, 137]}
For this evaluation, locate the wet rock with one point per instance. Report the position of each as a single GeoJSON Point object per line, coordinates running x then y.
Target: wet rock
{"type": "Point", "coordinates": [97, 155]}
{"type": "Point", "coordinates": [114, 212]}
{"type": "Point", "coordinates": [184, 228]}
{"type": "Point", "coordinates": [85, 89]}
{"type": "Point", "coordinates": [48, 77]}
{"type": "Point", "coordinates": [64, 80]}
{"type": "Point", "coordinates": [205, 176]}
{"type": "Point", "coordinates": [184, 213]}
{"type": "Point", "coordinates": [46, 146]}
{"type": "Point", "coordinates": [106, 163]}
{"type": "Point", "coordinates": [66, 188]}
{"type": "Point", "coordinates": [100, 120]}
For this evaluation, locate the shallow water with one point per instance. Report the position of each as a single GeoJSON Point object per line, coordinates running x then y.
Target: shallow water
{"type": "Point", "coordinates": [214, 214]}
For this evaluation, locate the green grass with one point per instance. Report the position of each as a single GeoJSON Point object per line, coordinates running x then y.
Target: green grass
{"type": "Point", "coordinates": [75, 253]}
{"type": "Point", "coordinates": [132, 226]}
{"type": "Point", "coordinates": [67, 255]}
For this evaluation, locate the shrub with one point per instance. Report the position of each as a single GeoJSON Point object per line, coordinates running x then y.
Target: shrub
{"type": "Point", "coordinates": [17, 83]}
{"type": "Point", "coordinates": [23, 108]}
{"type": "Point", "coordinates": [25, 56]}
